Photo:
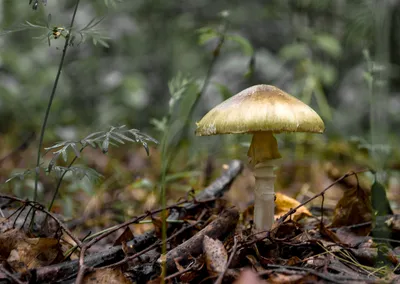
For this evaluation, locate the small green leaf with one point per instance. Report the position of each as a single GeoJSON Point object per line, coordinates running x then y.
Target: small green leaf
{"type": "Point", "coordinates": [322, 101]}
{"type": "Point", "coordinates": [206, 34]}
{"type": "Point", "coordinates": [76, 150]}
{"type": "Point", "coordinates": [146, 147]}
{"type": "Point", "coordinates": [379, 200]}
{"type": "Point", "coordinates": [224, 91]}
{"type": "Point", "coordinates": [294, 51]}
{"type": "Point", "coordinates": [53, 161]}
{"type": "Point", "coordinates": [244, 44]}
{"type": "Point", "coordinates": [328, 44]}
{"type": "Point", "coordinates": [58, 145]}
{"type": "Point", "coordinates": [105, 144]}
{"type": "Point", "coordinates": [113, 136]}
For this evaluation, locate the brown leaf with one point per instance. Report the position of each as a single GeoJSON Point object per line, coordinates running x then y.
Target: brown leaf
{"type": "Point", "coordinates": [278, 278]}
{"type": "Point", "coordinates": [189, 276]}
{"type": "Point", "coordinates": [353, 208]}
{"type": "Point", "coordinates": [216, 255]}
{"type": "Point", "coordinates": [157, 223]}
{"type": "Point", "coordinates": [125, 237]}
{"type": "Point", "coordinates": [293, 261]}
{"type": "Point", "coordinates": [284, 203]}
{"type": "Point", "coordinates": [254, 262]}
{"type": "Point", "coordinates": [178, 266]}
{"type": "Point", "coordinates": [347, 237]}
{"type": "Point", "coordinates": [331, 236]}
{"type": "Point", "coordinates": [8, 241]}
{"type": "Point", "coordinates": [248, 276]}
{"type": "Point", "coordinates": [106, 276]}
{"type": "Point", "coordinates": [34, 252]}
{"type": "Point", "coordinates": [6, 224]}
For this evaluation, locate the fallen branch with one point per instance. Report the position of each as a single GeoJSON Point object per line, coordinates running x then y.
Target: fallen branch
{"type": "Point", "coordinates": [37, 206]}
{"type": "Point", "coordinates": [234, 249]}
{"type": "Point", "coordinates": [295, 270]}
{"type": "Point", "coordinates": [68, 270]}
{"type": "Point", "coordinates": [218, 229]}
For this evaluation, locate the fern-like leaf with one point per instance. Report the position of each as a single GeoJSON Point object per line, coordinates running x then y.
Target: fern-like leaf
{"type": "Point", "coordinates": [115, 136]}
{"type": "Point", "coordinates": [63, 151]}
{"type": "Point", "coordinates": [19, 175]}
{"type": "Point", "coordinates": [78, 172]}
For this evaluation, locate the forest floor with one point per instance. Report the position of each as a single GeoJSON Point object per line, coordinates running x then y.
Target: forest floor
{"type": "Point", "coordinates": [328, 234]}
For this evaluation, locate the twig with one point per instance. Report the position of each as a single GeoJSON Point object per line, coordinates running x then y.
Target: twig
{"type": "Point", "coordinates": [21, 147]}
{"type": "Point", "coordinates": [303, 270]}
{"type": "Point", "coordinates": [292, 211]}
{"type": "Point", "coordinates": [84, 269]}
{"type": "Point", "coordinates": [217, 229]}
{"type": "Point", "coordinates": [11, 276]}
{"type": "Point", "coordinates": [61, 179]}
{"type": "Point", "coordinates": [234, 248]}
{"type": "Point", "coordinates": [39, 207]}
{"type": "Point", "coordinates": [179, 273]}
{"type": "Point", "coordinates": [68, 270]}
{"type": "Point", "coordinates": [158, 243]}
{"type": "Point", "coordinates": [260, 237]}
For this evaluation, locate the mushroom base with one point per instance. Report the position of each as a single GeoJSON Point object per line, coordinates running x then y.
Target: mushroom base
{"type": "Point", "coordinates": [264, 195]}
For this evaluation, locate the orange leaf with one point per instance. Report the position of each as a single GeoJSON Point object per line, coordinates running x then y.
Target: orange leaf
{"type": "Point", "coordinates": [284, 203]}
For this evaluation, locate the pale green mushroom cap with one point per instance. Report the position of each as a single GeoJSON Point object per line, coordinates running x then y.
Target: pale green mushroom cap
{"type": "Point", "coordinates": [260, 108]}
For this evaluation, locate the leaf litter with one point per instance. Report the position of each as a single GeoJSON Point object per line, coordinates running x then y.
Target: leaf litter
{"type": "Point", "coordinates": [210, 241]}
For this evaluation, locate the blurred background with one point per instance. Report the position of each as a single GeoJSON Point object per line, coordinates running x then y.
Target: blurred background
{"type": "Point", "coordinates": [341, 57]}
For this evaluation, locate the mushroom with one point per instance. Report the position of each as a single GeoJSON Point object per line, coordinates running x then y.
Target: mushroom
{"type": "Point", "coordinates": [261, 110]}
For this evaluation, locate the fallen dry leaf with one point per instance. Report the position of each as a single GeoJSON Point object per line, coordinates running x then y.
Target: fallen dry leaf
{"type": "Point", "coordinates": [157, 222]}
{"type": "Point", "coordinates": [284, 203]}
{"type": "Point", "coordinates": [106, 276]}
{"type": "Point", "coordinates": [216, 255]}
{"type": "Point", "coordinates": [353, 208]}
{"type": "Point", "coordinates": [328, 234]}
{"type": "Point", "coordinates": [29, 253]}
{"type": "Point", "coordinates": [279, 278]}
{"type": "Point", "coordinates": [8, 241]}
{"type": "Point", "coordinates": [248, 276]}
{"type": "Point", "coordinates": [125, 237]}
{"type": "Point", "coordinates": [186, 277]}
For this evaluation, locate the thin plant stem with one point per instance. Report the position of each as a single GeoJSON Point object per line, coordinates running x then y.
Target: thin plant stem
{"type": "Point", "coordinates": [53, 92]}
{"type": "Point", "coordinates": [61, 179]}
{"type": "Point", "coordinates": [167, 158]}
{"type": "Point", "coordinates": [164, 213]}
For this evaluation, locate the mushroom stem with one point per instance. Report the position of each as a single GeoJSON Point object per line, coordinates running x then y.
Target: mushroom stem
{"type": "Point", "coordinates": [263, 153]}
{"type": "Point", "coordinates": [264, 195]}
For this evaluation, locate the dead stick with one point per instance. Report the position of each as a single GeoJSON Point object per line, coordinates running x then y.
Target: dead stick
{"type": "Point", "coordinates": [68, 270]}
{"type": "Point", "coordinates": [221, 276]}
{"type": "Point", "coordinates": [218, 229]}
{"type": "Point", "coordinates": [11, 276]}
{"type": "Point", "coordinates": [41, 208]}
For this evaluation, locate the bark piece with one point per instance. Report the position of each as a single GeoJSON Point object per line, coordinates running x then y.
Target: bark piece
{"type": "Point", "coordinates": [217, 229]}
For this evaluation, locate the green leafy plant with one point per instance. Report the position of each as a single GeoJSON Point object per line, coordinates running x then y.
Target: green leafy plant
{"type": "Point", "coordinates": [313, 73]}
{"type": "Point", "coordinates": [100, 140]}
